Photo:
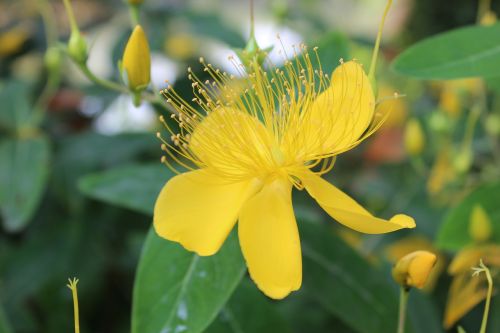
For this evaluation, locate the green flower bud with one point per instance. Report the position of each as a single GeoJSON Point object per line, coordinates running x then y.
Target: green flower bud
{"type": "Point", "coordinates": [77, 47]}
{"type": "Point", "coordinates": [52, 59]}
{"type": "Point", "coordinates": [480, 224]}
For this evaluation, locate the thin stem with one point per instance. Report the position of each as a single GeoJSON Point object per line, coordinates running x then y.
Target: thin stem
{"type": "Point", "coordinates": [134, 14]}
{"type": "Point", "coordinates": [72, 286]}
{"type": "Point", "coordinates": [403, 302]}
{"type": "Point", "coordinates": [373, 64]}
{"type": "Point", "coordinates": [252, 20]}
{"type": "Point", "coordinates": [71, 15]}
{"type": "Point", "coordinates": [102, 82]}
{"type": "Point", "coordinates": [488, 298]}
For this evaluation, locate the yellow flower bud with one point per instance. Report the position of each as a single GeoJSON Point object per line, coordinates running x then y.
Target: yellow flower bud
{"type": "Point", "coordinates": [136, 62]}
{"type": "Point", "coordinates": [413, 269]}
{"type": "Point", "coordinates": [480, 224]}
{"type": "Point", "coordinates": [414, 137]}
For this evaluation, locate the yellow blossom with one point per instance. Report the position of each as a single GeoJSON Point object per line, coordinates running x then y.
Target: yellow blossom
{"type": "Point", "coordinates": [136, 60]}
{"type": "Point", "coordinates": [480, 224]}
{"type": "Point", "coordinates": [246, 152]}
{"type": "Point", "coordinates": [413, 269]}
{"type": "Point", "coordinates": [414, 137]}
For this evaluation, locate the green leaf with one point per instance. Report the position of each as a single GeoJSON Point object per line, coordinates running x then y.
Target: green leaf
{"type": "Point", "coordinates": [16, 112]}
{"type": "Point", "coordinates": [250, 311]}
{"type": "Point", "coordinates": [460, 53]}
{"type": "Point", "coordinates": [454, 231]}
{"type": "Point", "coordinates": [23, 175]}
{"type": "Point", "coordinates": [134, 186]}
{"type": "Point", "coordinates": [346, 284]}
{"type": "Point", "coordinates": [179, 291]}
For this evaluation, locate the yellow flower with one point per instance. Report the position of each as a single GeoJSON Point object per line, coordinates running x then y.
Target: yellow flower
{"type": "Point", "coordinates": [414, 137]}
{"type": "Point", "coordinates": [249, 150]}
{"type": "Point", "coordinates": [467, 291]}
{"type": "Point", "coordinates": [136, 60]}
{"type": "Point", "coordinates": [413, 269]}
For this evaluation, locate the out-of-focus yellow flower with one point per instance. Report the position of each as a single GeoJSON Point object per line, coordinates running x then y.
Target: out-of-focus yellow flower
{"type": "Point", "coordinates": [414, 269]}
{"type": "Point", "coordinates": [12, 40]}
{"type": "Point", "coordinates": [480, 224]}
{"type": "Point", "coordinates": [181, 46]}
{"type": "Point", "coordinates": [449, 101]}
{"type": "Point", "coordinates": [414, 137]}
{"type": "Point", "coordinates": [466, 291]}
{"type": "Point", "coordinates": [465, 259]}
{"type": "Point", "coordinates": [442, 172]}
{"type": "Point", "coordinates": [136, 62]}
{"type": "Point", "coordinates": [410, 244]}
{"type": "Point", "coordinates": [489, 18]}
{"type": "Point", "coordinates": [135, 2]}
{"type": "Point", "coordinates": [251, 149]}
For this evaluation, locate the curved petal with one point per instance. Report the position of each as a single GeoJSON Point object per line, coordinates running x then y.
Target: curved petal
{"type": "Point", "coordinates": [347, 211]}
{"type": "Point", "coordinates": [198, 210]}
{"type": "Point", "coordinates": [269, 240]}
{"type": "Point", "coordinates": [341, 114]}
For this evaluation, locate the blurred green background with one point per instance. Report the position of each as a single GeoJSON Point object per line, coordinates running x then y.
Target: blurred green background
{"type": "Point", "coordinates": [80, 169]}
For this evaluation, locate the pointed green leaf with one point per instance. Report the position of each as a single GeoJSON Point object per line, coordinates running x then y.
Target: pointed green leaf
{"type": "Point", "coordinates": [178, 291]}
{"type": "Point", "coordinates": [134, 186]}
{"type": "Point", "coordinates": [460, 53]}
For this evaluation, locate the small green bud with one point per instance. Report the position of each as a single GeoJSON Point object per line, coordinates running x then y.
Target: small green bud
{"type": "Point", "coordinates": [77, 47]}
{"type": "Point", "coordinates": [439, 123]}
{"type": "Point", "coordinates": [52, 59]}
{"type": "Point", "coordinates": [463, 160]}
{"type": "Point", "coordinates": [493, 124]}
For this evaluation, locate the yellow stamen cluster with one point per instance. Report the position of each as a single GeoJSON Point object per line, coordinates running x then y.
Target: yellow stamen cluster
{"type": "Point", "coordinates": [261, 122]}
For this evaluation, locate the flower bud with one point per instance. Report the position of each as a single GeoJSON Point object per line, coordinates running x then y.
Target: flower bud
{"type": "Point", "coordinates": [414, 137]}
{"type": "Point", "coordinates": [413, 269]}
{"type": "Point", "coordinates": [77, 47]}
{"type": "Point", "coordinates": [52, 59]}
{"type": "Point", "coordinates": [463, 160]}
{"type": "Point", "coordinates": [136, 62]}
{"type": "Point", "coordinates": [480, 224]}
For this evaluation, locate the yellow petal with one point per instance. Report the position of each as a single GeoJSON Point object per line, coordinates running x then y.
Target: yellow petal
{"type": "Point", "coordinates": [269, 240]}
{"type": "Point", "coordinates": [347, 211]}
{"type": "Point", "coordinates": [339, 116]}
{"type": "Point", "coordinates": [198, 210]}
{"type": "Point", "coordinates": [136, 59]}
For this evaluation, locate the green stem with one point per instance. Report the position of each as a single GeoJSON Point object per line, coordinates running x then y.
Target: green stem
{"type": "Point", "coordinates": [71, 15]}
{"type": "Point", "coordinates": [102, 82]}
{"type": "Point", "coordinates": [488, 299]}
{"type": "Point", "coordinates": [134, 15]}
{"type": "Point", "coordinates": [373, 64]}
{"type": "Point", "coordinates": [403, 302]}
{"type": "Point", "coordinates": [252, 20]}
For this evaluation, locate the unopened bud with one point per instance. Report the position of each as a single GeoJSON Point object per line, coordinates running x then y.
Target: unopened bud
{"type": "Point", "coordinates": [480, 224]}
{"type": "Point", "coordinates": [492, 124]}
{"type": "Point", "coordinates": [77, 47]}
{"type": "Point", "coordinates": [414, 137]}
{"type": "Point", "coordinates": [52, 59]}
{"type": "Point", "coordinates": [463, 160]}
{"type": "Point", "coordinates": [136, 62]}
{"type": "Point", "coordinates": [413, 269]}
